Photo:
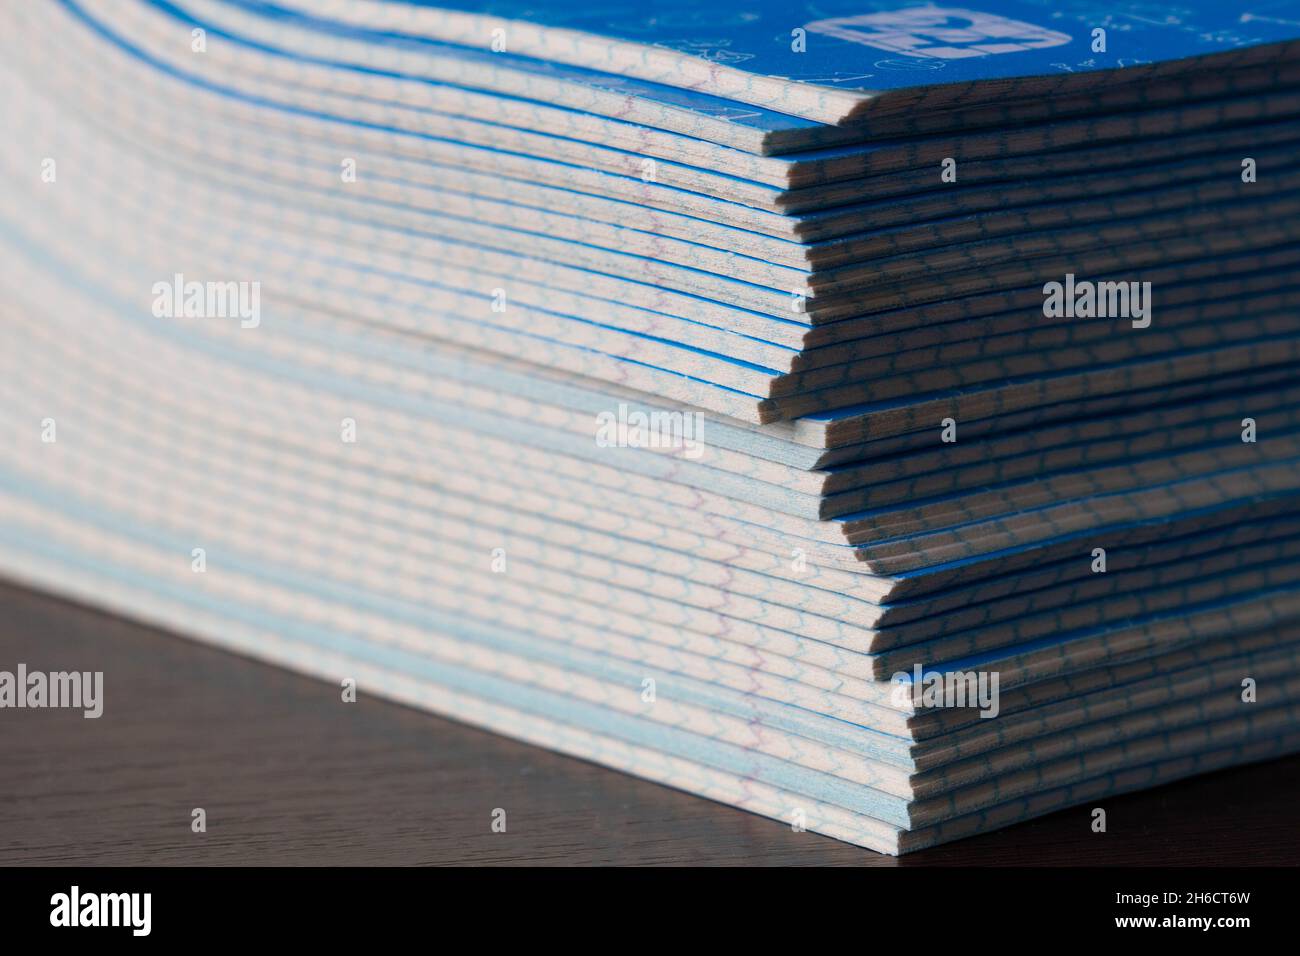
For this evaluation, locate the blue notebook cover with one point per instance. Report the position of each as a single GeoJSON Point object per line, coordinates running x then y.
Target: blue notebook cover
{"type": "Point", "coordinates": [828, 60]}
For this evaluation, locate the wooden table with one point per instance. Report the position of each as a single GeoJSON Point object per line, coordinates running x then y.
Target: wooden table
{"type": "Point", "coordinates": [287, 774]}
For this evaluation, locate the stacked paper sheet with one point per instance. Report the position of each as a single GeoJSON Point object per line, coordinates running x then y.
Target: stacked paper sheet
{"type": "Point", "coordinates": [885, 418]}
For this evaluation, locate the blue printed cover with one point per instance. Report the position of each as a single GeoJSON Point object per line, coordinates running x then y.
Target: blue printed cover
{"type": "Point", "coordinates": [876, 45]}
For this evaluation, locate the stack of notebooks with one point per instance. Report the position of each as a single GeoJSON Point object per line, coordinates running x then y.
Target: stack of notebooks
{"type": "Point", "coordinates": [885, 419]}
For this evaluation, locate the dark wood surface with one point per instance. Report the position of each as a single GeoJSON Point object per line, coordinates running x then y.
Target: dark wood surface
{"type": "Point", "coordinates": [289, 775]}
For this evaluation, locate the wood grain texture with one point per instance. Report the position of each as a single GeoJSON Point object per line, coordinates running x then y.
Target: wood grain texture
{"type": "Point", "coordinates": [290, 775]}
